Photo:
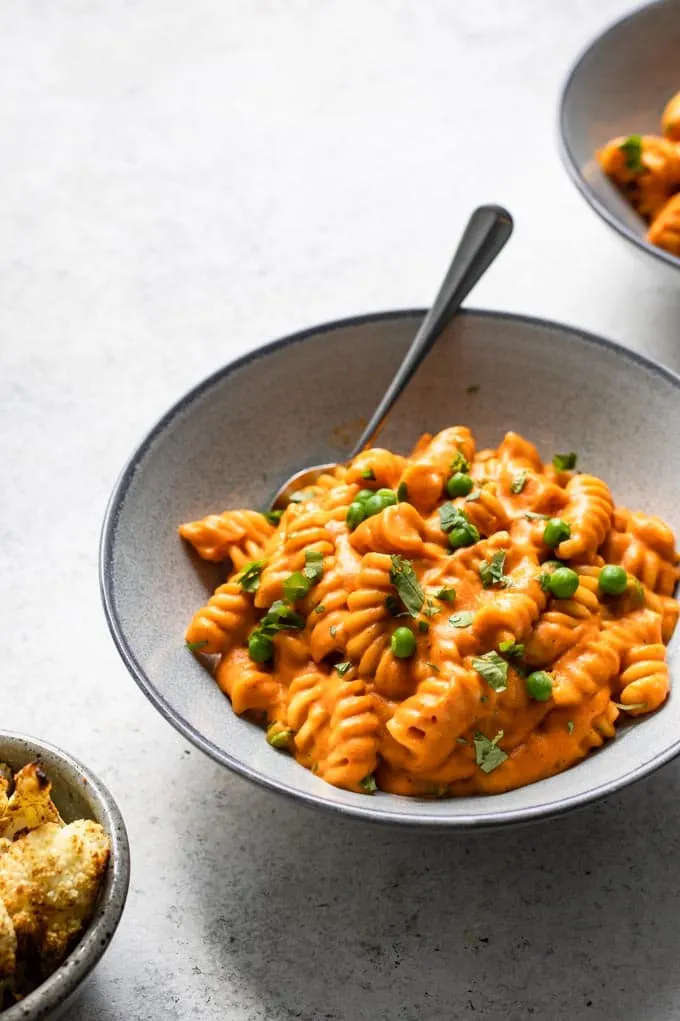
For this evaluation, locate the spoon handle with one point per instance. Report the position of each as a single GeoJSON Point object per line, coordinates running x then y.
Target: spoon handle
{"type": "Point", "coordinates": [487, 231]}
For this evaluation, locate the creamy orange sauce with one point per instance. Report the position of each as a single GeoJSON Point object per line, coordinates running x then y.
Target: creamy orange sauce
{"type": "Point", "coordinates": [435, 722]}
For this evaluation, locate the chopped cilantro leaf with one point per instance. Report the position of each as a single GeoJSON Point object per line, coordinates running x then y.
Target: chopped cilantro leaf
{"type": "Point", "coordinates": [451, 517]}
{"type": "Point", "coordinates": [195, 646]}
{"type": "Point", "coordinates": [404, 579]}
{"type": "Point", "coordinates": [565, 462]}
{"type": "Point", "coordinates": [295, 587]}
{"type": "Point", "coordinates": [447, 595]}
{"type": "Point", "coordinates": [491, 571]}
{"type": "Point", "coordinates": [368, 784]}
{"type": "Point", "coordinates": [493, 669]}
{"type": "Point", "coordinates": [631, 148]}
{"type": "Point", "coordinates": [488, 755]}
{"type": "Point", "coordinates": [313, 569]}
{"type": "Point", "coordinates": [369, 474]}
{"type": "Point", "coordinates": [460, 463]}
{"type": "Point", "coordinates": [249, 577]}
{"type": "Point", "coordinates": [511, 648]}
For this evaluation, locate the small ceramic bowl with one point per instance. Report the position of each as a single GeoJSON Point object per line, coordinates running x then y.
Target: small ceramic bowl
{"type": "Point", "coordinates": [620, 85]}
{"type": "Point", "coordinates": [78, 794]}
{"type": "Point", "coordinates": [232, 440]}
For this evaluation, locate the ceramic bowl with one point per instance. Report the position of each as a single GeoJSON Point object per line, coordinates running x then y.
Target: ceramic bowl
{"type": "Point", "coordinates": [78, 794]}
{"type": "Point", "coordinates": [230, 442]}
{"type": "Point", "coordinates": [619, 86]}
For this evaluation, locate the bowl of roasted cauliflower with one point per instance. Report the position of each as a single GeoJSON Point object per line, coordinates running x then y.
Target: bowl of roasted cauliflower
{"type": "Point", "coordinates": [619, 124]}
{"type": "Point", "coordinates": [64, 874]}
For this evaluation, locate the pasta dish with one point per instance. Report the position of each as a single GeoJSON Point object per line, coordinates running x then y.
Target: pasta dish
{"type": "Point", "coordinates": [450, 623]}
{"type": "Point", "coordinates": [646, 168]}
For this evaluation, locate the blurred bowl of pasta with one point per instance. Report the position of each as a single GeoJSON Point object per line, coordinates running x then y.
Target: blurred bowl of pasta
{"type": "Point", "coordinates": [301, 400]}
{"type": "Point", "coordinates": [619, 128]}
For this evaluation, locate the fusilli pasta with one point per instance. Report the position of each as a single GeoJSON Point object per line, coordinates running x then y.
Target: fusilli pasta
{"type": "Point", "coordinates": [454, 622]}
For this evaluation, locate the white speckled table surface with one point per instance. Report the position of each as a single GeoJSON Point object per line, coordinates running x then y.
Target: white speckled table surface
{"type": "Point", "coordinates": [180, 182]}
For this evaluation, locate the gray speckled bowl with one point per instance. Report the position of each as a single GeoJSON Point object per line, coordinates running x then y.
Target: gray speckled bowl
{"type": "Point", "coordinates": [235, 437]}
{"type": "Point", "coordinates": [619, 86]}
{"type": "Point", "coordinates": [78, 794]}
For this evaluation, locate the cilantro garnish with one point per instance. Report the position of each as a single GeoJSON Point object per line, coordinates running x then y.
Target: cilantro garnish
{"type": "Point", "coordinates": [491, 571]}
{"type": "Point", "coordinates": [631, 148]}
{"type": "Point", "coordinates": [493, 669]}
{"type": "Point", "coordinates": [404, 579]}
{"type": "Point", "coordinates": [565, 462]}
{"type": "Point", "coordinates": [488, 755]}
{"type": "Point", "coordinates": [249, 577]}
{"type": "Point", "coordinates": [511, 648]}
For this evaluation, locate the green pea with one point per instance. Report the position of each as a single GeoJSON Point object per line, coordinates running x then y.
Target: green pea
{"type": "Point", "coordinates": [555, 532]}
{"type": "Point", "coordinates": [563, 582]}
{"type": "Point", "coordinates": [363, 495]}
{"type": "Point", "coordinates": [539, 686]}
{"type": "Point", "coordinates": [403, 643]}
{"type": "Point", "coordinates": [260, 648]}
{"type": "Point", "coordinates": [613, 580]}
{"type": "Point", "coordinates": [463, 535]}
{"type": "Point", "coordinates": [372, 506]}
{"type": "Point", "coordinates": [459, 485]}
{"type": "Point", "coordinates": [378, 501]}
{"type": "Point", "coordinates": [356, 512]}
{"type": "Point", "coordinates": [388, 497]}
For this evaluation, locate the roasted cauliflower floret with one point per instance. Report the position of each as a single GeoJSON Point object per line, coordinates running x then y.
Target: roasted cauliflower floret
{"type": "Point", "coordinates": [50, 875]}
{"type": "Point", "coordinates": [30, 804]}
{"type": "Point", "coordinates": [8, 944]}
{"type": "Point", "coordinates": [49, 880]}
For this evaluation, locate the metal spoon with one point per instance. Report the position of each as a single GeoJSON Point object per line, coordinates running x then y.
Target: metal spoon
{"type": "Point", "coordinates": [487, 231]}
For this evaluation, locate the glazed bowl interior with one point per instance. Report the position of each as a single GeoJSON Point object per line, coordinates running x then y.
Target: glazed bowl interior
{"type": "Point", "coordinates": [233, 439]}
{"type": "Point", "coordinates": [78, 794]}
{"type": "Point", "coordinates": [619, 86]}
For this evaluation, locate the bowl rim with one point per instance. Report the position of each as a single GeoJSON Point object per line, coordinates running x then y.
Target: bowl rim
{"type": "Point", "coordinates": [62, 983]}
{"type": "Point", "coordinates": [502, 817]}
{"type": "Point", "coordinates": [569, 160]}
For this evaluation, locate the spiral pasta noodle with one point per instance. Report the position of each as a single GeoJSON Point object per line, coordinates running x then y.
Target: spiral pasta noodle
{"type": "Point", "coordinates": [646, 169]}
{"type": "Point", "coordinates": [447, 623]}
